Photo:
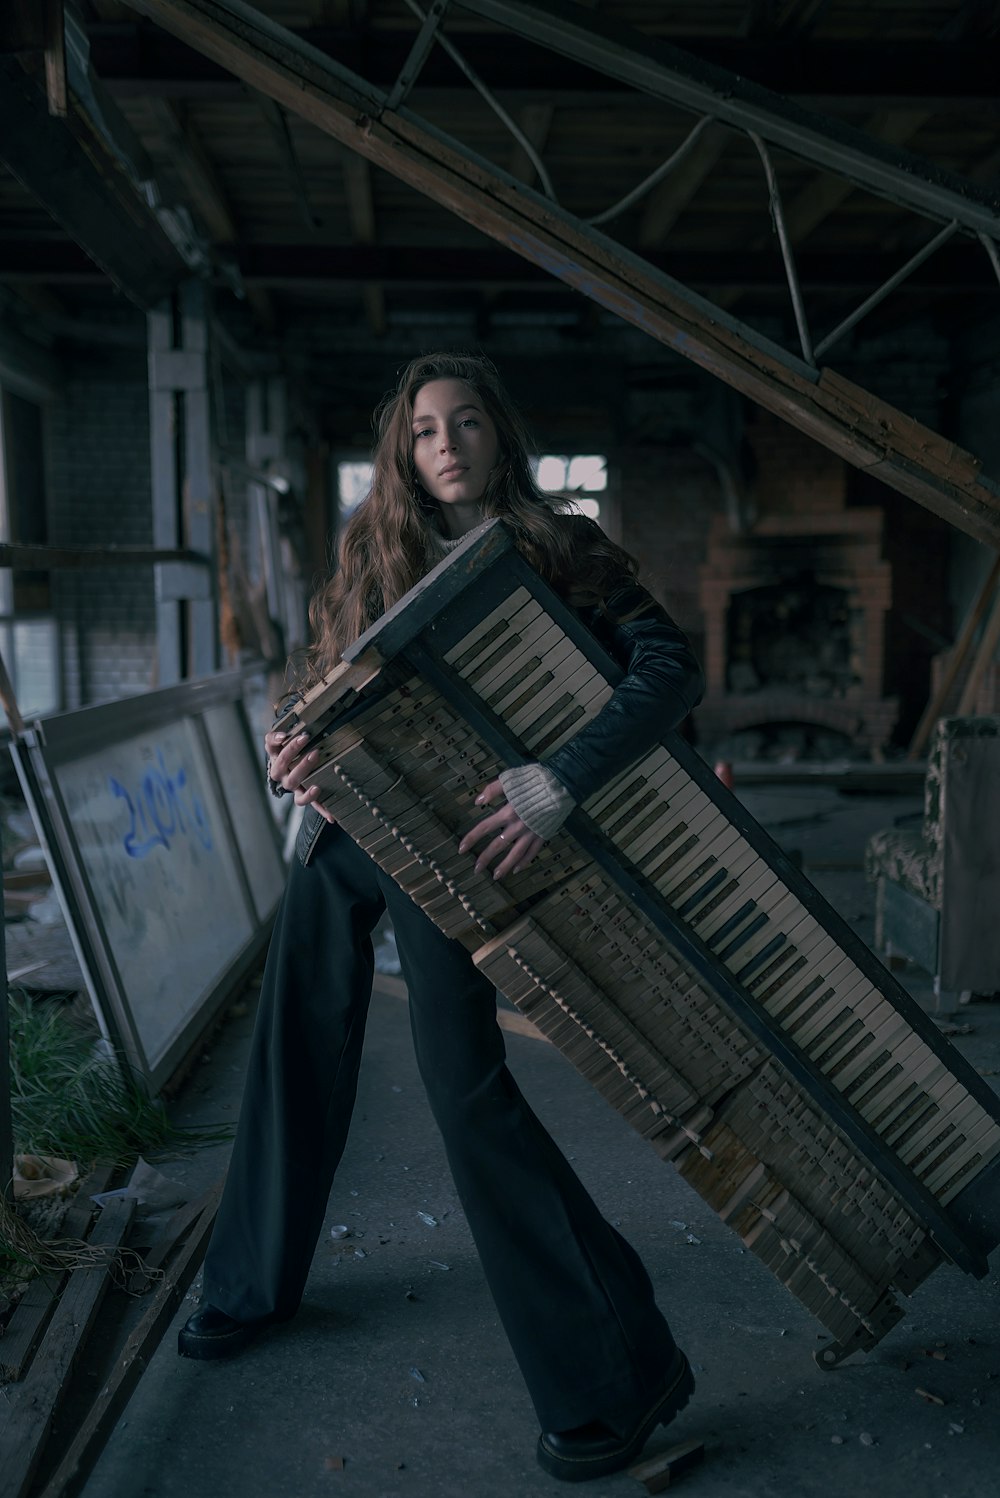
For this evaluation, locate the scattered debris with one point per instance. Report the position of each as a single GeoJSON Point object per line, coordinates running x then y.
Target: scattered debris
{"type": "Point", "coordinates": [340, 1230]}
{"type": "Point", "coordinates": [660, 1472]}
{"type": "Point", "coordinates": [334, 1464]}
{"type": "Point", "coordinates": [438, 1265]}
{"type": "Point", "coordinates": [836, 1440]}
{"type": "Point", "coordinates": [931, 1398]}
{"type": "Point", "coordinates": [427, 1219]}
{"type": "Point", "coordinates": [937, 1352]}
{"type": "Point", "coordinates": [867, 1439]}
{"type": "Point", "coordinates": [360, 1253]}
{"type": "Point", "coordinates": [416, 1373]}
{"type": "Point", "coordinates": [692, 1239]}
{"type": "Point", "coordinates": [956, 1429]}
{"type": "Point", "coordinates": [947, 1029]}
{"type": "Point", "coordinates": [410, 1294]}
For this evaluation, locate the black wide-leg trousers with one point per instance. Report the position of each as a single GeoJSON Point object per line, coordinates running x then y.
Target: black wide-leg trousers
{"type": "Point", "coordinates": [573, 1296]}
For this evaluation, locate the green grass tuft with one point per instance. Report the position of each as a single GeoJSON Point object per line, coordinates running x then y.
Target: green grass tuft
{"type": "Point", "coordinates": [70, 1100]}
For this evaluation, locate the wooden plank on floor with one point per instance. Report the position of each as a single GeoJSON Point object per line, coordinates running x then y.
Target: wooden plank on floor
{"type": "Point", "coordinates": [89, 1441]}
{"type": "Point", "coordinates": [31, 1314]}
{"type": "Point", "coordinates": [30, 1410]}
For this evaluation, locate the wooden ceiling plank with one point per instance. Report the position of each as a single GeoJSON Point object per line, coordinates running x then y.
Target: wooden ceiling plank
{"type": "Point", "coordinates": [361, 215]}
{"type": "Point", "coordinates": [669, 199]}
{"type": "Point", "coordinates": [846, 419]}
{"type": "Point", "coordinates": [535, 121]}
{"type": "Point", "coordinates": [195, 170]}
{"type": "Point", "coordinates": [824, 194]}
{"type": "Point", "coordinates": [277, 124]}
{"type": "Point", "coordinates": [665, 72]}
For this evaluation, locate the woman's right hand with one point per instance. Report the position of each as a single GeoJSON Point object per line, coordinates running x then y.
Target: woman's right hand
{"type": "Point", "coordinates": [287, 766]}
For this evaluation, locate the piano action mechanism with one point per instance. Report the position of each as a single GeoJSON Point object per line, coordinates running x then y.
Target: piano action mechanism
{"type": "Point", "coordinates": [667, 947]}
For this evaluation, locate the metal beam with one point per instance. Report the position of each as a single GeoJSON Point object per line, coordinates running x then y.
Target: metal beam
{"type": "Point", "coordinates": [665, 72]}
{"type": "Point", "coordinates": [960, 270]}
{"type": "Point", "coordinates": [841, 415]}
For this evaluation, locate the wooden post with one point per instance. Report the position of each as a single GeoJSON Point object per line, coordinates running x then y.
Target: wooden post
{"type": "Point", "coordinates": [183, 494]}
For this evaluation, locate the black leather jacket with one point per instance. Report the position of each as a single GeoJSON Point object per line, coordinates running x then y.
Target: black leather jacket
{"type": "Point", "coordinates": [662, 683]}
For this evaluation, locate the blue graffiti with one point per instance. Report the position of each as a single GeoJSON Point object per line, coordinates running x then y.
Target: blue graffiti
{"type": "Point", "coordinates": [164, 808]}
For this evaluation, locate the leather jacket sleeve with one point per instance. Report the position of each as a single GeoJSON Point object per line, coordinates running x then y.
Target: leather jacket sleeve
{"type": "Point", "coordinates": [662, 683]}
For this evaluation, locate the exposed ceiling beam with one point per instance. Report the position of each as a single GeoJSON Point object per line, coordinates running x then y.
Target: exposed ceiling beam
{"type": "Point", "coordinates": [361, 213]}
{"type": "Point", "coordinates": [135, 59]}
{"type": "Point", "coordinates": [956, 270]}
{"type": "Point", "coordinates": [666, 73]}
{"type": "Point", "coordinates": [847, 419]}
{"type": "Point", "coordinates": [277, 123]}
{"type": "Point", "coordinates": [67, 168]}
{"type": "Point", "coordinates": [195, 171]}
{"type": "Point", "coordinates": [204, 190]}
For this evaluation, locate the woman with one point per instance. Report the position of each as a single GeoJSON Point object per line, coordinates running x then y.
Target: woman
{"type": "Point", "coordinates": [597, 1356]}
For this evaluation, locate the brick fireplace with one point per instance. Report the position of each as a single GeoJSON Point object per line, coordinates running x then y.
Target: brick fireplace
{"type": "Point", "coordinates": [794, 608]}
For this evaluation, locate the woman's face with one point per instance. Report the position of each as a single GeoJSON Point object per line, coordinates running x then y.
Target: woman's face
{"type": "Point", "coordinates": [455, 442]}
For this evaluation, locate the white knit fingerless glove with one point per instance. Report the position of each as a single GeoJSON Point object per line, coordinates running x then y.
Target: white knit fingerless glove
{"type": "Point", "coordinates": [540, 799]}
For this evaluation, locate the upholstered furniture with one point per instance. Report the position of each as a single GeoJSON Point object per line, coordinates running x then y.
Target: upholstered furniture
{"type": "Point", "coordinates": [937, 889]}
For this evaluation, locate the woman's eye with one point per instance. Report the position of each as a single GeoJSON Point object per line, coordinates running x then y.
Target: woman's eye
{"type": "Point", "coordinates": [469, 421]}
{"type": "Point", "coordinates": [424, 432]}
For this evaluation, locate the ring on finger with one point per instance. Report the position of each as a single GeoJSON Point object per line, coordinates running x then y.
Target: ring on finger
{"type": "Point", "coordinates": [501, 837]}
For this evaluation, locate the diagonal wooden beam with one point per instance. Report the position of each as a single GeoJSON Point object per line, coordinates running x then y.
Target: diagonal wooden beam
{"type": "Point", "coordinates": [863, 429]}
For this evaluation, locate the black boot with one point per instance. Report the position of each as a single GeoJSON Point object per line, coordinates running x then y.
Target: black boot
{"type": "Point", "coordinates": [210, 1333]}
{"type": "Point", "coordinates": [594, 1450]}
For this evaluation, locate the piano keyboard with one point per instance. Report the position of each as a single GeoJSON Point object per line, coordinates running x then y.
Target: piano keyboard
{"type": "Point", "coordinates": [669, 950]}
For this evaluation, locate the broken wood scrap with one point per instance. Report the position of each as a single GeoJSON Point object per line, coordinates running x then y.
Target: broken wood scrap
{"type": "Point", "coordinates": [179, 1225]}
{"type": "Point", "coordinates": [659, 1472]}
{"type": "Point", "coordinates": [88, 1443]}
{"type": "Point", "coordinates": [29, 1412]}
{"type": "Point", "coordinates": [31, 1314]}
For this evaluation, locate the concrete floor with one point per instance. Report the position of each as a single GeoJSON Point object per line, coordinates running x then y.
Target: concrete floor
{"type": "Point", "coordinates": [397, 1367]}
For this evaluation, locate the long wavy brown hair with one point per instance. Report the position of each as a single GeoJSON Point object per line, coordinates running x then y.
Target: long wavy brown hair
{"type": "Point", "coordinates": [384, 549]}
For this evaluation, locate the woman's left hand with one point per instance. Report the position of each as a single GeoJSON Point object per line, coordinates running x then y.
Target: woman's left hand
{"type": "Point", "coordinates": [509, 840]}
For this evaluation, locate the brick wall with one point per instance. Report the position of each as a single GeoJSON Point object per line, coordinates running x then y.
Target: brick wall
{"type": "Point", "coordinates": [97, 443]}
{"type": "Point", "coordinates": [666, 499]}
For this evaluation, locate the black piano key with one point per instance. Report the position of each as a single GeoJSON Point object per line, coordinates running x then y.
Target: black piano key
{"type": "Point", "coordinates": [734, 920]}
{"type": "Point", "coordinates": [694, 900]}
{"type": "Point", "coordinates": [755, 925]}
{"type": "Point", "coordinates": [764, 955]}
